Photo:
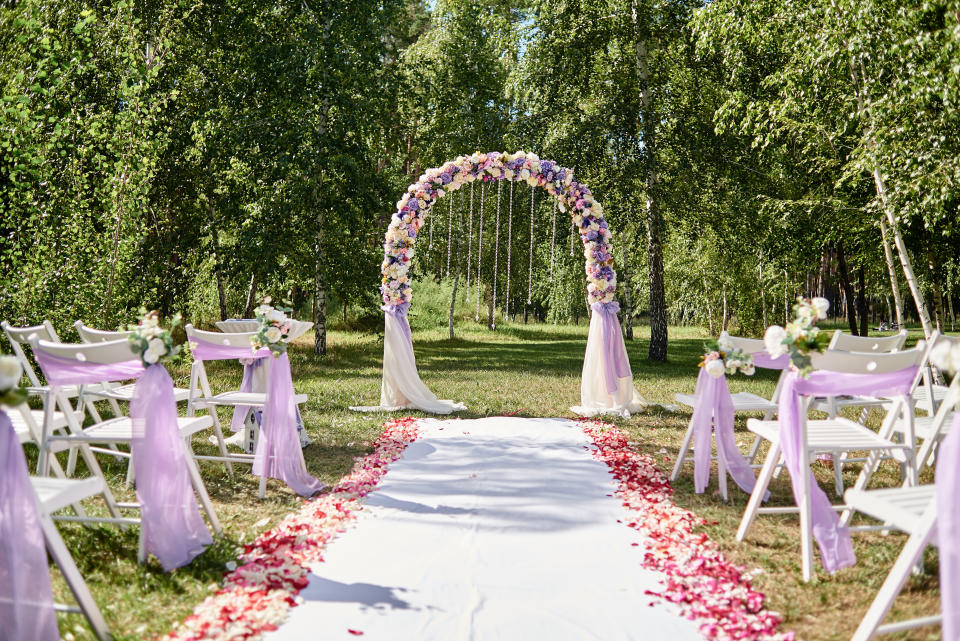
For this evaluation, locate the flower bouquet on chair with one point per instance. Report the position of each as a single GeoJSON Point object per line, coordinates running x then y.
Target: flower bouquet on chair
{"type": "Point", "coordinates": [722, 357]}
{"type": "Point", "coordinates": [152, 343]}
{"type": "Point", "coordinates": [273, 328]}
{"type": "Point", "coordinates": [801, 337]}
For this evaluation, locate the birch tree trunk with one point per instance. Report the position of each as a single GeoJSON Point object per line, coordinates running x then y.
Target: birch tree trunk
{"type": "Point", "coordinates": [846, 289]}
{"type": "Point", "coordinates": [706, 295]}
{"type": "Point", "coordinates": [648, 123]}
{"type": "Point", "coordinates": [862, 302]}
{"type": "Point", "coordinates": [251, 297]}
{"type": "Point", "coordinates": [937, 290]}
{"type": "Point", "coordinates": [892, 271]}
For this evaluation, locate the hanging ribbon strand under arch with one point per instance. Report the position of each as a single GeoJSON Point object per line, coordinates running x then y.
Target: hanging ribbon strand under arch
{"type": "Point", "coordinates": [483, 191]}
{"type": "Point", "coordinates": [506, 314]}
{"type": "Point", "coordinates": [469, 243]}
{"type": "Point", "coordinates": [496, 260]}
{"type": "Point", "coordinates": [449, 234]}
{"type": "Point", "coordinates": [553, 238]}
{"type": "Point", "coordinates": [526, 309]}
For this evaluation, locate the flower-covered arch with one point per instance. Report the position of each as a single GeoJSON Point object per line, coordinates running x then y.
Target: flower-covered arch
{"type": "Point", "coordinates": [420, 197]}
{"type": "Point", "coordinates": [607, 384]}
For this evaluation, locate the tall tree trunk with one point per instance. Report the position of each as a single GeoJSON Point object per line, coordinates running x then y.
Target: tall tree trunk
{"type": "Point", "coordinates": [217, 272]}
{"type": "Point", "coordinates": [862, 302]}
{"type": "Point", "coordinates": [319, 316]}
{"type": "Point", "coordinates": [763, 294]}
{"type": "Point", "coordinates": [847, 289]}
{"type": "Point", "coordinates": [627, 299]}
{"type": "Point", "coordinates": [937, 290]}
{"type": "Point", "coordinates": [859, 81]}
{"type": "Point", "coordinates": [723, 321]}
{"type": "Point", "coordinates": [648, 123]}
{"type": "Point", "coordinates": [320, 288]}
{"type": "Point", "coordinates": [706, 294]}
{"type": "Point", "coordinates": [892, 271]}
{"type": "Point", "coordinates": [251, 297]}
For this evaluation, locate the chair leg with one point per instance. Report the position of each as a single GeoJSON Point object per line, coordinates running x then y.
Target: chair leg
{"type": "Point", "coordinates": [201, 491]}
{"type": "Point", "coordinates": [806, 532]}
{"type": "Point", "coordinates": [759, 489]}
{"type": "Point", "coordinates": [911, 554]}
{"type": "Point", "coordinates": [722, 477]}
{"type": "Point", "coordinates": [682, 455]}
{"type": "Point", "coordinates": [754, 450]}
{"type": "Point", "coordinates": [130, 474]}
{"type": "Point", "coordinates": [838, 459]}
{"type": "Point", "coordinates": [263, 487]}
{"type": "Point", "coordinates": [71, 574]}
{"type": "Point", "coordinates": [218, 431]}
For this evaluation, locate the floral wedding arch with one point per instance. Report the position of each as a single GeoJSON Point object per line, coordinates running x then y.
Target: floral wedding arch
{"type": "Point", "coordinates": [607, 382]}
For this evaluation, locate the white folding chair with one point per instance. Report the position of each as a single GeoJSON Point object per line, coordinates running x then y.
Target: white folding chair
{"type": "Point", "coordinates": [19, 338]}
{"type": "Point", "coordinates": [202, 396]}
{"type": "Point", "coordinates": [836, 436]}
{"type": "Point", "coordinates": [53, 495]}
{"type": "Point", "coordinates": [115, 431]}
{"type": "Point", "coordinates": [742, 402]}
{"type": "Point", "coordinates": [117, 391]}
{"type": "Point", "coordinates": [932, 429]}
{"type": "Point", "coordinates": [842, 342]}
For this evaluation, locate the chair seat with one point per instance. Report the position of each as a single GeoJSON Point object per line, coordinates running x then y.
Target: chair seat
{"type": "Point", "coordinates": [923, 426]}
{"type": "Point", "coordinates": [257, 399]}
{"type": "Point", "coordinates": [55, 494]}
{"type": "Point", "coordinates": [829, 435]}
{"type": "Point", "coordinates": [921, 395]}
{"type": "Point", "coordinates": [125, 393]}
{"type": "Point", "coordinates": [59, 419]}
{"type": "Point", "coordinates": [901, 507]}
{"type": "Point", "coordinates": [120, 430]}
{"type": "Point", "coordinates": [823, 404]}
{"type": "Point", "coordinates": [742, 402]}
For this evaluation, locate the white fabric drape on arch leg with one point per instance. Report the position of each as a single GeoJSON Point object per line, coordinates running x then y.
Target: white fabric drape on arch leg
{"type": "Point", "coordinates": [606, 386]}
{"type": "Point", "coordinates": [402, 387]}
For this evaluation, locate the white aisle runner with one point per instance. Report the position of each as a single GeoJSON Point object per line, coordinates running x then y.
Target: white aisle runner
{"type": "Point", "coordinates": [493, 529]}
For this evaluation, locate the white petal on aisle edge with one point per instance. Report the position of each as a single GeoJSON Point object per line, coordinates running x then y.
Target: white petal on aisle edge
{"type": "Point", "coordinates": [492, 529]}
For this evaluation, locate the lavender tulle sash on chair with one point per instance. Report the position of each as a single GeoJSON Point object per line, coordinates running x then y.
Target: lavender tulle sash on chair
{"type": "Point", "coordinates": [278, 453]}
{"type": "Point", "coordinates": [173, 529]}
{"type": "Point", "coordinates": [713, 411]}
{"type": "Point", "coordinates": [615, 362]}
{"type": "Point", "coordinates": [948, 528]}
{"type": "Point", "coordinates": [836, 548]}
{"type": "Point", "coordinates": [26, 599]}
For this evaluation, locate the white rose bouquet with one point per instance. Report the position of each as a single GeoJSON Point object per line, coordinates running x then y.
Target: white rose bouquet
{"type": "Point", "coordinates": [721, 357]}
{"type": "Point", "coordinates": [946, 356]}
{"type": "Point", "coordinates": [801, 337]}
{"type": "Point", "coordinates": [151, 342]}
{"type": "Point", "coordinates": [11, 371]}
{"type": "Point", "coordinates": [274, 326]}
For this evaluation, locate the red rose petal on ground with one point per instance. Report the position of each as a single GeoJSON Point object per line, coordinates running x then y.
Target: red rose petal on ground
{"type": "Point", "coordinates": [355, 633]}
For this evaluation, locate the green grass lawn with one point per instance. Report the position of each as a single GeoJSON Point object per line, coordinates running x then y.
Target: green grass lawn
{"type": "Point", "coordinates": [528, 370]}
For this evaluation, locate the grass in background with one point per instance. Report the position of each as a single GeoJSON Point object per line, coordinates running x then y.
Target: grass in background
{"type": "Point", "coordinates": [529, 370]}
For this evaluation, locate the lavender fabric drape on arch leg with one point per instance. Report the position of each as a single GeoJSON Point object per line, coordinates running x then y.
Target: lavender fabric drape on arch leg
{"type": "Point", "coordinates": [173, 528]}
{"type": "Point", "coordinates": [279, 454]}
{"type": "Point", "coordinates": [836, 548]}
{"type": "Point", "coordinates": [615, 363]}
{"type": "Point", "coordinates": [402, 387]}
{"type": "Point", "coordinates": [948, 529]}
{"type": "Point", "coordinates": [26, 599]}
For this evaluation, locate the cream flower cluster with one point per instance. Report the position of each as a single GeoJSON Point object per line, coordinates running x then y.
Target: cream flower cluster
{"type": "Point", "coordinates": [151, 342]}
{"type": "Point", "coordinates": [414, 207]}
